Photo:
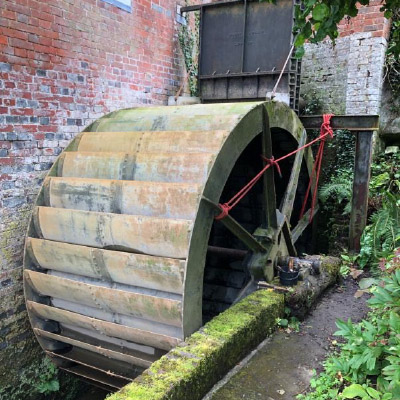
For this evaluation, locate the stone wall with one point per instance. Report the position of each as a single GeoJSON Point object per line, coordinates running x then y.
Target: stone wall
{"type": "Point", "coordinates": [64, 63]}
{"type": "Point", "coordinates": [390, 117]}
{"type": "Point", "coordinates": [347, 78]}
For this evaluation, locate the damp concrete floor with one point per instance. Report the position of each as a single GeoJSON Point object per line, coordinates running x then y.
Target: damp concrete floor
{"type": "Point", "coordinates": [282, 366]}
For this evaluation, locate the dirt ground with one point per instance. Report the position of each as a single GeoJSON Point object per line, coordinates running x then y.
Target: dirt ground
{"type": "Point", "coordinates": [281, 367]}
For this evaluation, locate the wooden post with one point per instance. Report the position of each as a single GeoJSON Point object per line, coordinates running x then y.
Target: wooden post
{"type": "Point", "coordinates": [362, 173]}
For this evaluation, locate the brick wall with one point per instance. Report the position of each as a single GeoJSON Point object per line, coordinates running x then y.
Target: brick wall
{"type": "Point", "coordinates": [64, 63]}
{"type": "Point", "coordinates": [347, 78]}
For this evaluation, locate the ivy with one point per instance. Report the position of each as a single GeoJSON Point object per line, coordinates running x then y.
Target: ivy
{"type": "Point", "coordinates": [393, 61]}
{"type": "Point", "coordinates": [188, 36]}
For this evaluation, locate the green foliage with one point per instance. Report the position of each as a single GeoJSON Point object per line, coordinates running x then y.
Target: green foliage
{"type": "Point", "coordinates": [188, 36]}
{"type": "Point", "coordinates": [344, 147]}
{"type": "Point", "coordinates": [348, 264]}
{"type": "Point", "coordinates": [40, 380]}
{"type": "Point", "coordinates": [382, 236]}
{"type": "Point", "coordinates": [393, 60]}
{"type": "Point", "coordinates": [368, 364]}
{"type": "Point", "coordinates": [335, 196]}
{"type": "Point", "coordinates": [362, 391]}
{"type": "Point", "coordinates": [324, 387]}
{"type": "Point", "coordinates": [313, 104]}
{"type": "Point", "coordinates": [48, 379]}
{"type": "Point", "coordinates": [339, 190]}
{"type": "Point", "coordinates": [291, 324]}
{"type": "Point", "coordinates": [385, 176]}
{"type": "Point", "coordinates": [318, 19]}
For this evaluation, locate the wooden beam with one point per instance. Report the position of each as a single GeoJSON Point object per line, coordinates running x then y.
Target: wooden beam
{"type": "Point", "coordinates": [269, 195]}
{"type": "Point", "coordinates": [362, 173]}
{"type": "Point", "coordinates": [350, 122]}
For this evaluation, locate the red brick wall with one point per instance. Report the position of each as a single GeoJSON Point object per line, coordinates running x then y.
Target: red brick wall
{"type": "Point", "coordinates": [64, 63]}
{"type": "Point", "coordinates": [369, 19]}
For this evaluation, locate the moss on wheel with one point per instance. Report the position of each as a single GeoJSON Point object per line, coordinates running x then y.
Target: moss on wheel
{"type": "Point", "coordinates": [190, 369]}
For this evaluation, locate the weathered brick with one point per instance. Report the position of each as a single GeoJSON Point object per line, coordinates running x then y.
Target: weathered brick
{"type": "Point", "coordinates": [5, 67]}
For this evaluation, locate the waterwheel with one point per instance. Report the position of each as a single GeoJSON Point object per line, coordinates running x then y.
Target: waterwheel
{"type": "Point", "coordinates": [124, 258]}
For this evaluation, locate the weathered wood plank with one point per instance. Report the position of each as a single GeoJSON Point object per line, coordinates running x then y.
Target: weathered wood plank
{"type": "Point", "coordinates": [96, 378]}
{"type": "Point", "coordinates": [97, 165]}
{"type": "Point", "coordinates": [167, 123]}
{"type": "Point", "coordinates": [302, 224]}
{"type": "Point", "coordinates": [181, 168]}
{"type": "Point", "coordinates": [359, 202]}
{"type": "Point", "coordinates": [157, 273]}
{"type": "Point", "coordinates": [154, 308]}
{"type": "Point", "coordinates": [291, 188]}
{"type": "Point", "coordinates": [184, 111]}
{"type": "Point", "coordinates": [157, 167]}
{"type": "Point", "coordinates": [96, 349]}
{"type": "Point", "coordinates": [148, 235]}
{"type": "Point", "coordinates": [155, 199]}
{"type": "Point", "coordinates": [153, 142]}
{"type": "Point", "coordinates": [269, 195]}
{"type": "Point", "coordinates": [79, 361]}
{"type": "Point", "coordinates": [103, 327]}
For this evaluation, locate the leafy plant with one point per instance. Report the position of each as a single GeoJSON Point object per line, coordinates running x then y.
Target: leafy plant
{"type": "Point", "coordinates": [348, 266]}
{"type": "Point", "coordinates": [339, 189]}
{"type": "Point", "coordinates": [188, 37]}
{"type": "Point", "coordinates": [326, 386]}
{"type": "Point", "coordinates": [392, 61]}
{"type": "Point", "coordinates": [368, 364]}
{"type": "Point", "coordinates": [385, 177]}
{"type": "Point", "coordinates": [48, 379]}
{"type": "Point", "coordinates": [382, 236]}
{"type": "Point", "coordinates": [317, 19]}
{"type": "Point", "coordinates": [41, 380]}
{"type": "Point", "coordinates": [364, 392]}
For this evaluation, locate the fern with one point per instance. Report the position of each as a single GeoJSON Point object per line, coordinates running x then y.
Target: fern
{"type": "Point", "coordinates": [382, 236]}
{"type": "Point", "coordinates": [339, 190]}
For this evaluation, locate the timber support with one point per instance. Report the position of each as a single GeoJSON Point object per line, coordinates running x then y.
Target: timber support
{"type": "Point", "coordinates": [363, 126]}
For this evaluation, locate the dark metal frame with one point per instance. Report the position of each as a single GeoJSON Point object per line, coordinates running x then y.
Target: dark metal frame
{"type": "Point", "coordinates": [227, 86]}
{"type": "Point", "coordinates": [363, 127]}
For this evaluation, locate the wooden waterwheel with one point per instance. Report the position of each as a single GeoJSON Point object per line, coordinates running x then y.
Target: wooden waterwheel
{"type": "Point", "coordinates": [124, 258]}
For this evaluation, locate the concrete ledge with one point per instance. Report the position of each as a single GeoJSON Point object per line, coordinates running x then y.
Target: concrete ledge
{"type": "Point", "coordinates": [193, 367]}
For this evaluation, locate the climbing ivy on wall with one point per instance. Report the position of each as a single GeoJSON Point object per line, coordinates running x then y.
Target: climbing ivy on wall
{"type": "Point", "coordinates": [189, 41]}
{"type": "Point", "coordinates": [393, 59]}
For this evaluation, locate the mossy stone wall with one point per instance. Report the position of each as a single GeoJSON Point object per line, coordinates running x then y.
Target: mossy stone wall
{"type": "Point", "coordinates": [193, 367]}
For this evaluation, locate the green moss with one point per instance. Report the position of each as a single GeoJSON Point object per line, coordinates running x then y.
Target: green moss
{"type": "Point", "coordinates": [331, 265]}
{"type": "Point", "coordinates": [191, 368]}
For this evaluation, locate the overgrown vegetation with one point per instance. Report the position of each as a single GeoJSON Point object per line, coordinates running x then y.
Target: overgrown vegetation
{"type": "Point", "coordinates": [382, 235]}
{"type": "Point", "coordinates": [42, 381]}
{"type": "Point", "coordinates": [393, 60]}
{"type": "Point", "coordinates": [188, 36]}
{"type": "Point", "coordinates": [384, 196]}
{"type": "Point", "coordinates": [367, 364]}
